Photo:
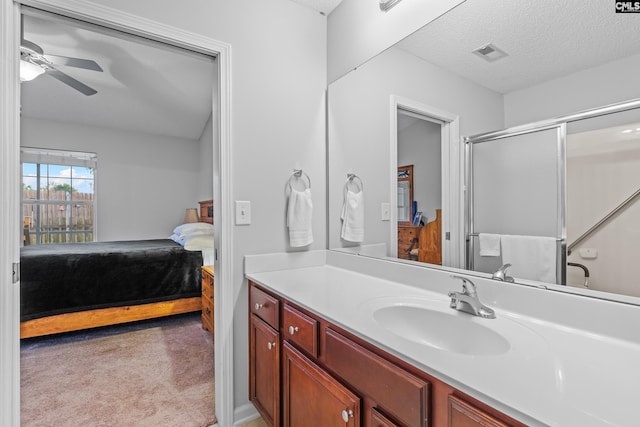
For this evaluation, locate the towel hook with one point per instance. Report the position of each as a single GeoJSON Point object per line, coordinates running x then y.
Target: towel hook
{"type": "Point", "coordinates": [300, 174]}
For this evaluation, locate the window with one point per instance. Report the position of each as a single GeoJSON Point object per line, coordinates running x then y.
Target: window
{"type": "Point", "coordinates": [58, 196]}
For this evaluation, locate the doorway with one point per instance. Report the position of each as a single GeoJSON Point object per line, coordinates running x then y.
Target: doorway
{"type": "Point", "coordinates": [110, 18]}
{"type": "Point", "coordinates": [425, 144]}
{"type": "Point", "coordinates": [419, 185]}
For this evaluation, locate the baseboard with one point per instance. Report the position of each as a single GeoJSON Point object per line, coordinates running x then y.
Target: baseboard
{"type": "Point", "coordinates": [244, 414]}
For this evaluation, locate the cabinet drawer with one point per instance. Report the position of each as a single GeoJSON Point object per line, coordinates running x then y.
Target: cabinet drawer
{"type": "Point", "coordinates": [207, 288]}
{"type": "Point", "coordinates": [379, 420]}
{"type": "Point", "coordinates": [300, 329]}
{"type": "Point", "coordinates": [264, 306]}
{"type": "Point", "coordinates": [401, 394]}
{"type": "Point", "coordinates": [463, 414]}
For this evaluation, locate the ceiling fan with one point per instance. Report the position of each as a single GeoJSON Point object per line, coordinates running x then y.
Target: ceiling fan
{"type": "Point", "coordinates": [34, 62]}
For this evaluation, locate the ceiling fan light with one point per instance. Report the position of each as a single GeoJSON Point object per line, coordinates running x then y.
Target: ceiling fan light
{"type": "Point", "coordinates": [29, 71]}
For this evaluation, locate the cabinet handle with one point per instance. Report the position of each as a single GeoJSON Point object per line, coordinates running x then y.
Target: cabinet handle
{"type": "Point", "coordinates": [346, 414]}
{"type": "Point", "coordinates": [258, 306]}
{"type": "Point", "coordinates": [293, 329]}
{"type": "Point", "coordinates": [271, 345]}
{"type": "Point", "coordinates": [208, 310]}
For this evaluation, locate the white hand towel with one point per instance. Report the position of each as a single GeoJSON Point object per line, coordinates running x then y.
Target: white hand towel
{"type": "Point", "coordinates": [531, 257]}
{"type": "Point", "coordinates": [353, 217]}
{"type": "Point", "coordinates": [489, 244]}
{"type": "Point", "coordinates": [299, 214]}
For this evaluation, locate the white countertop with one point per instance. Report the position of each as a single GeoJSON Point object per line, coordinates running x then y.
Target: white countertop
{"type": "Point", "coordinates": [552, 374]}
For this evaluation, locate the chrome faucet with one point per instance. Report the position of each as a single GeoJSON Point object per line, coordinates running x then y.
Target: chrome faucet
{"type": "Point", "coordinates": [501, 274]}
{"type": "Point", "coordinates": [468, 301]}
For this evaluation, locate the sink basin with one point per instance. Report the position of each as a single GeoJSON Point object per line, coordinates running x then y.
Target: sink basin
{"type": "Point", "coordinates": [450, 331]}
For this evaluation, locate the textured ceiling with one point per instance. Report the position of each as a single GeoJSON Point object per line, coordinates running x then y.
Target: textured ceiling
{"type": "Point", "coordinates": [544, 39]}
{"type": "Point", "coordinates": [145, 87]}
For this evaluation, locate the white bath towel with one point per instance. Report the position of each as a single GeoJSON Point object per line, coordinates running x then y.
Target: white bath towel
{"type": "Point", "coordinates": [299, 214]}
{"type": "Point", "coordinates": [531, 257]}
{"type": "Point", "coordinates": [353, 217]}
{"type": "Point", "coordinates": [489, 244]}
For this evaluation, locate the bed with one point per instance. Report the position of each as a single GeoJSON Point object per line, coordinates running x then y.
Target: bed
{"type": "Point", "coordinates": [68, 287]}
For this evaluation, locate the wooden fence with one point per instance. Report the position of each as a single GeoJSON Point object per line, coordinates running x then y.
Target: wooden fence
{"type": "Point", "coordinates": [60, 220]}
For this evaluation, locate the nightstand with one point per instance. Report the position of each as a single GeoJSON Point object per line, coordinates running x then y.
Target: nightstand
{"type": "Point", "coordinates": [207, 298]}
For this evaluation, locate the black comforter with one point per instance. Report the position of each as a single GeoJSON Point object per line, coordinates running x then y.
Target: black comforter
{"type": "Point", "coordinates": [65, 278]}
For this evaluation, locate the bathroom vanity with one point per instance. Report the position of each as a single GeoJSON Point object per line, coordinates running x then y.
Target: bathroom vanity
{"type": "Point", "coordinates": [350, 340]}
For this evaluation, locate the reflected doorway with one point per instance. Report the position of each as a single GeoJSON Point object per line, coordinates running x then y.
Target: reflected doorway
{"type": "Point", "coordinates": [419, 195]}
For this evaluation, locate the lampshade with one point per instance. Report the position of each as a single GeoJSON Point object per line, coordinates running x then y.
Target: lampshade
{"type": "Point", "coordinates": [191, 215]}
{"type": "Point", "coordinates": [29, 71]}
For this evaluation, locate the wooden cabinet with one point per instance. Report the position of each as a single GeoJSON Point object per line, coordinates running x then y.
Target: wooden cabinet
{"type": "Point", "coordinates": [264, 370]}
{"type": "Point", "coordinates": [464, 414]}
{"type": "Point", "coordinates": [305, 371]}
{"type": "Point", "coordinates": [207, 298]}
{"type": "Point", "coordinates": [313, 397]}
{"type": "Point", "coordinates": [400, 394]}
{"type": "Point", "coordinates": [408, 238]}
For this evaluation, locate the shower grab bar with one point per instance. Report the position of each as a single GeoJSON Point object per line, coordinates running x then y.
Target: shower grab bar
{"type": "Point", "coordinates": [603, 221]}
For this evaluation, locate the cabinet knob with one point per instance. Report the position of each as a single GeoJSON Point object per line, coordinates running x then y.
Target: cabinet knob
{"type": "Point", "coordinates": [271, 345]}
{"type": "Point", "coordinates": [293, 330]}
{"type": "Point", "coordinates": [258, 306]}
{"type": "Point", "coordinates": [346, 414]}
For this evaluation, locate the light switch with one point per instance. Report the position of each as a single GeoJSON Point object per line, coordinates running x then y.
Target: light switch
{"type": "Point", "coordinates": [385, 214]}
{"type": "Point", "coordinates": [243, 212]}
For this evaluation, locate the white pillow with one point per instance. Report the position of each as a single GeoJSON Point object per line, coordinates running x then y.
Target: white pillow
{"type": "Point", "coordinates": [192, 226]}
{"type": "Point", "coordinates": [199, 243]}
{"type": "Point", "coordinates": [177, 239]}
{"type": "Point", "coordinates": [194, 233]}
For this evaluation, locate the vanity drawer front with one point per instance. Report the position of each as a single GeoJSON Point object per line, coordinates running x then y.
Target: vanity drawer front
{"type": "Point", "coordinates": [401, 394]}
{"type": "Point", "coordinates": [301, 329]}
{"type": "Point", "coordinates": [379, 420]}
{"type": "Point", "coordinates": [463, 414]}
{"type": "Point", "coordinates": [264, 306]}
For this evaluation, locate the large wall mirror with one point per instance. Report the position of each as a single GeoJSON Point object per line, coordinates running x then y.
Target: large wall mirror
{"type": "Point", "coordinates": [481, 68]}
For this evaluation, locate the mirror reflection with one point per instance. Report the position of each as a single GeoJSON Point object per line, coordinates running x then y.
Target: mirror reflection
{"type": "Point", "coordinates": [416, 104]}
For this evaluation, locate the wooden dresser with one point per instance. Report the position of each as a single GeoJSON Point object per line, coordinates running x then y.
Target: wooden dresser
{"type": "Point", "coordinates": [207, 298]}
{"type": "Point", "coordinates": [406, 234]}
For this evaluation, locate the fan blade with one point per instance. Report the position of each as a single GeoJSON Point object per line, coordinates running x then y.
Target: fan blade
{"type": "Point", "coordinates": [67, 79]}
{"type": "Point", "coordinates": [87, 64]}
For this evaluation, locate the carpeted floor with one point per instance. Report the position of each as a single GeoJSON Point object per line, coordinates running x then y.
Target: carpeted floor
{"type": "Point", "coordinates": [151, 373]}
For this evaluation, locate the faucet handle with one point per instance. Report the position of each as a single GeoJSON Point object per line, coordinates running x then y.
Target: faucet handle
{"type": "Point", "coordinates": [501, 273]}
{"type": "Point", "coordinates": [468, 287]}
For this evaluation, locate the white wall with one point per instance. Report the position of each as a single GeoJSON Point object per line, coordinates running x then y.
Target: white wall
{"type": "Point", "coordinates": [278, 76]}
{"type": "Point", "coordinates": [419, 145]}
{"type": "Point", "coordinates": [358, 30]}
{"type": "Point", "coordinates": [359, 126]}
{"type": "Point", "coordinates": [595, 87]}
{"type": "Point", "coordinates": [143, 182]}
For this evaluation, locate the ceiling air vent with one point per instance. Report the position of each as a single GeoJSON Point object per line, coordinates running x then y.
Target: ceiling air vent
{"type": "Point", "coordinates": [490, 53]}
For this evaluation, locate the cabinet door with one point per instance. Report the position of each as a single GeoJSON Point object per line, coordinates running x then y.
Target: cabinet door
{"type": "Point", "coordinates": [463, 414]}
{"type": "Point", "coordinates": [264, 370]}
{"type": "Point", "coordinates": [313, 397]}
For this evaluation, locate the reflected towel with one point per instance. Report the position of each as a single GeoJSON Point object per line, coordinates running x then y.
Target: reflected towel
{"type": "Point", "coordinates": [299, 214]}
{"type": "Point", "coordinates": [531, 257]}
{"type": "Point", "coordinates": [489, 244]}
{"type": "Point", "coordinates": [353, 217]}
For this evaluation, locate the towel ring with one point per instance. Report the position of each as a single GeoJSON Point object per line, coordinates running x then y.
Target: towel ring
{"type": "Point", "coordinates": [351, 179]}
{"type": "Point", "coordinates": [300, 174]}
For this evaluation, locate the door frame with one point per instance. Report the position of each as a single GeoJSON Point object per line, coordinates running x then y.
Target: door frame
{"type": "Point", "coordinates": [452, 177]}
{"type": "Point", "coordinates": [9, 189]}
